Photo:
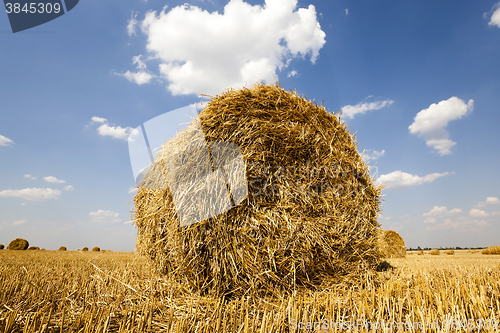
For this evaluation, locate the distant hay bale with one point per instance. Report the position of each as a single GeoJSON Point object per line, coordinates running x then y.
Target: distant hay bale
{"type": "Point", "coordinates": [62, 248]}
{"type": "Point", "coordinates": [305, 213]}
{"type": "Point", "coordinates": [1, 247]}
{"type": "Point", "coordinates": [435, 252]}
{"type": "Point", "coordinates": [420, 252]}
{"type": "Point", "coordinates": [391, 244]}
{"type": "Point", "coordinates": [449, 252]}
{"type": "Point", "coordinates": [85, 249]}
{"type": "Point", "coordinates": [96, 249]}
{"type": "Point", "coordinates": [42, 249]}
{"type": "Point", "coordinates": [491, 250]}
{"type": "Point", "coordinates": [33, 248]}
{"type": "Point", "coordinates": [18, 244]}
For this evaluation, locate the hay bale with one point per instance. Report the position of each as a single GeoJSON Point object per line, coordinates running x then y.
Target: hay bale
{"type": "Point", "coordinates": [491, 250]}
{"type": "Point", "coordinates": [62, 248]}
{"type": "Point", "coordinates": [435, 252]}
{"type": "Point", "coordinates": [1, 247]}
{"type": "Point", "coordinates": [420, 252]}
{"type": "Point", "coordinates": [85, 249]}
{"type": "Point", "coordinates": [449, 252]}
{"type": "Point", "coordinates": [391, 244]}
{"type": "Point", "coordinates": [18, 244]}
{"type": "Point", "coordinates": [96, 249]}
{"type": "Point", "coordinates": [306, 215]}
{"type": "Point", "coordinates": [33, 248]}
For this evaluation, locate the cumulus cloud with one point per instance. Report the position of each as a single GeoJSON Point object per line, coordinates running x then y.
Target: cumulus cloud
{"type": "Point", "coordinates": [431, 123]}
{"type": "Point", "coordinates": [464, 225]}
{"type": "Point", "coordinates": [350, 111]}
{"type": "Point", "coordinates": [141, 76]}
{"type": "Point", "coordinates": [98, 120]}
{"type": "Point", "coordinates": [398, 179]}
{"type": "Point", "coordinates": [104, 216]}
{"type": "Point", "coordinates": [203, 52]}
{"type": "Point", "coordinates": [292, 73]}
{"type": "Point", "coordinates": [29, 176]}
{"type": "Point", "coordinates": [489, 201]}
{"type": "Point", "coordinates": [116, 132]}
{"type": "Point", "coordinates": [69, 188]}
{"type": "Point", "coordinates": [33, 194]}
{"type": "Point", "coordinates": [371, 155]}
{"type": "Point", "coordinates": [474, 212]}
{"type": "Point", "coordinates": [495, 17]}
{"type": "Point", "coordinates": [4, 141]}
{"type": "Point", "coordinates": [52, 179]}
{"type": "Point", "coordinates": [442, 211]}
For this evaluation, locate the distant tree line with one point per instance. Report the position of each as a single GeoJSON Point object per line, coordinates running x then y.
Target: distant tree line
{"type": "Point", "coordinates": [445, 248]}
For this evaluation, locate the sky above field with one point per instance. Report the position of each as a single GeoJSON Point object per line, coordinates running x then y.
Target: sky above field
{"type": "Point", "coordinates": [419, 81]}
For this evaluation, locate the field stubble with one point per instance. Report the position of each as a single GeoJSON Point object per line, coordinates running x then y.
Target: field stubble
{"type": "Point", "coordinates": [119, 292]}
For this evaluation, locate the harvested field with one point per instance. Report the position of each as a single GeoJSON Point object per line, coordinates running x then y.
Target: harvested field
{"type": "Point", "coordinates": [114, 291]}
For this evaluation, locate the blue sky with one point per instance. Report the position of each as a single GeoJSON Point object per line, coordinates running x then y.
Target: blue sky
{"type": "Point", "coordinates": [419, 81]}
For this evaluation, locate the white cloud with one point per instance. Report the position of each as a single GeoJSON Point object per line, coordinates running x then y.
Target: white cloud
{"type": "Point", "coordinates": [347, 11]}
{"type": "Point", "coordinates": [132, 23]}
{"type": "Point", "coordinates": [489, 201]}
{"type": "Point", "coordinates": [23, 204]}
{"type": "Point", "coordinates": [52, 179]}
{"type": "Point", "coordinates": [398, 178]}
{"type": "Point", "coordinates": [4, 141]}
{"type": "Point", "coordinates": [33, 194]}
{"type": "Point", "coordinates": [142, 76]}
{"type": "Point", "coordinates": [292, 73]}
{"type": "Point", "coordinates": [29, 176]}
{"type": "Point", "coordinates": [474, 212]}
{"type": "Point", "coordinates": [431, 123]}
{"type": "Point", "coordinates": [203, 52]}
{"type": "Point", "coordinates": [69, 188]}
{"type": "Point", "coordinates": [98, 120]}
{"type": "Point", "coordinates": [465, 225]}
{"type": "Point", "coordinates": [430, 220]}
{"type": "Point", "coordinates": [362, 107]}
{"type": "Point", "coordinates": [370, 155]}
{"type": "Point", "coordinates": [115, 132]}
{"type": "Point", "coordinates": [495, 17]}
{"type": "Point", "coordinates": [442, 211]}
{"type": "Point", "coordinates": [19, 222]}
{"type": "Point", "coordinates": [104, 216]}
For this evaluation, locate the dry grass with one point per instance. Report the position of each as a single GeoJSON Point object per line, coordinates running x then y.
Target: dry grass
{"type": "Point", "coordinates": [491, 250]}
{"type": "Point", "coordinates": [435, 252]}
{"type": "Point", "coordinates": [311, 209]}
{"type": "Point", "coordinates": [119, 292]}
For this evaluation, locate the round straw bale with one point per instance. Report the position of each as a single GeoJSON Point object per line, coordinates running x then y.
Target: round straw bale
{"type": "Point", "coordinates": [18, 244]}
{"type": "Point", "coordinates": [96, 249]}
{"type": "Point", "coordinates": [420, 253]}
{"type": "Point", "coordinates": [62, 248]}
{"type": "Point", "coordinates": [1, 247]}
{"type": "Point", "coordinates": [449, 252]}
{"type": "Point", "coordinates": [491, 250]}
{"type": "Point", "coordinates": [85, 249]}
{"type": "Point", "coordinates": [305, 214]}
{"type": "Point", "coordinates": [391, 244]}
{"type": "Point", "coordinates": [33, 248]}
{"type": "Point", "coordinates": [435, 252]}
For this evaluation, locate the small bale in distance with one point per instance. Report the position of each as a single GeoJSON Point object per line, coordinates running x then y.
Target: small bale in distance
{"type": "Point", "coordinates": [18, 244]}
{"type": "Point", "coordinates": [435, 252]}
{"type": "Point", "coordinates": [449, 252]}
{"type": "Point", "coordinates": [421, 252]}
{"type": "Point", "coordinates": [85, 249]}
{"type": "Point", "coordinates": [33, 248]}
{"type": "Point", "coordinates": [391, 244]}
{"type": "Point", "coordinates": [1, 247]}
{"type": "Point", "coordinates": [96, 249]}
{"type": "Point", "coordinates": [309, 218]}
{"type": "Point", "coordinates": [62, 248]}
{"type": "Point", "coordinates": [491, 250]}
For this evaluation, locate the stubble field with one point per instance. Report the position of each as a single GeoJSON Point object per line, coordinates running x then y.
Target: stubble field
{"type": "Point", "coordinates": [55, 291]}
